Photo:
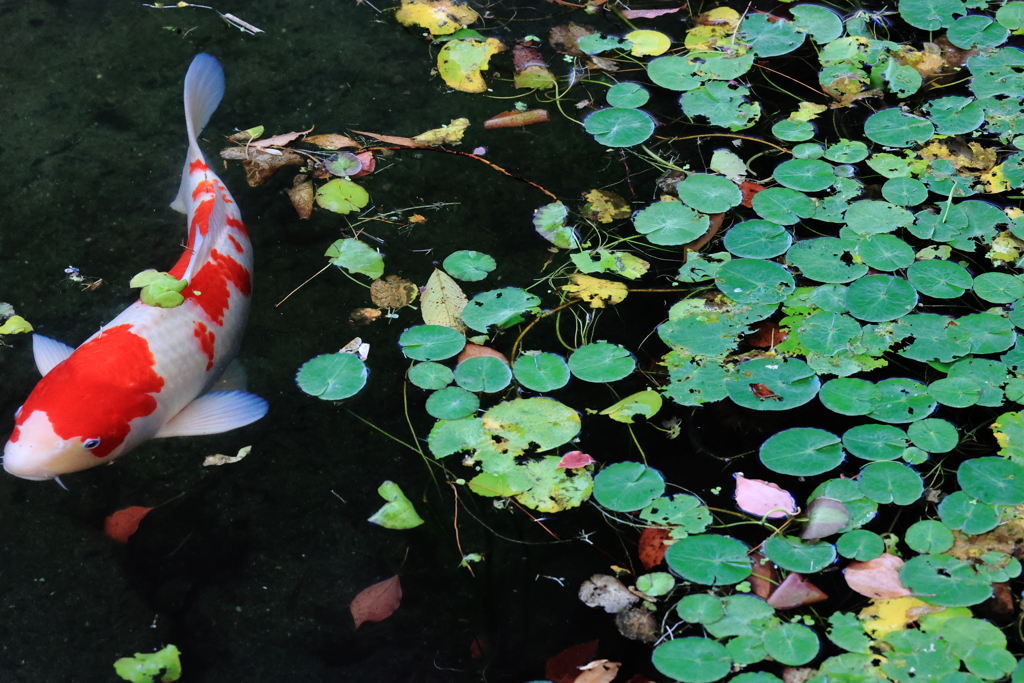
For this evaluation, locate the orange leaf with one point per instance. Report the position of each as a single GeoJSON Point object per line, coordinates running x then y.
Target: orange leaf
{"type": "Point", "coordinates": [476, 350]}
{"type": "Point", "coordinates": [377, 602]}
{"type": "Point", "coordinates": [123, 523]}
{"type": "Point", "coordinates": [795, 591]}
{"type": "Point", "coordinates": [747, 191]}
{"type": "Point", "coordinates": [564, 667]}
{"type": "Point", "coordinates": [652, 546]}
{"type": "Point", "coordinates": [391, 139]}
{"type": "Point", "coordinates": [768, 334]}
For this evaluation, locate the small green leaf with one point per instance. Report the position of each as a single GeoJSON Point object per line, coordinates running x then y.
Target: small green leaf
{"type": "Point", "coordinates": [333, 376]}
{"type": "Point", "coordinates": [341, 195]}
{"type": "Point", "coordinates": [356, 257]}
{"type": "Point", "coordinates": [398, 512]}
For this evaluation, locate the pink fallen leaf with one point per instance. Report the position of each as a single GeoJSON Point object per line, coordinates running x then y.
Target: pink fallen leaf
{"type": "Point", "coordinates": [764, 577]}
{"type": "Point", "coordinates": [825, 516]}
{"type": "Point", "coordinates": [123, 523]}
{"type": "Point", "coordinates": [877, 578]}
{"type": "Point", "coordinates": [377, 602]}
{"type": "Point", "coordinates": [795, 591]}
{"type": "Point", "coordinates": [278, 140]}
{"type": "Point", "coordinates": [648, 13]}
{"type": "Point", "coordinates": [763, 498]}
{"type": "Point", "coordinates": [574, 459]}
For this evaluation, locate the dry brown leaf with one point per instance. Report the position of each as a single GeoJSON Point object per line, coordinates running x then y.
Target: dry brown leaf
{"type": "Point", "coordinates": [218, 459]}
{"type": "Point", "coordinates": [364, 316]}
{"type": "Point", "coordinates": [393, 292]}
{"type": "Point", "coordinates": [301, 194]}
{"type": "Point", "coordinates": [878, 578]}
{"type": "Point", "coordinates": [260, 164]}
{"type": "Point", "coordinates": [390, 139]}
{"type": "Point", "coordinates": [279, 140]}
{"type": "Point", "coordinates": [331, 141]}
{"type": "Point", "coordinates": [442, 301]}
{"type": "Point", "coordinates": [377, 602]}
{"type": "Point", "coordinates": [598, 671]}
{"type": "Point", "coordinates": [565, 38]}
{"type": "Point", "coordinates": [795, 591]}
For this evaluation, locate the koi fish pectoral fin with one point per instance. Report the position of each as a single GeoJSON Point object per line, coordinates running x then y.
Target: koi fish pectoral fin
{"type": "Point", "coordinates": [213, 413]}
{"type": "Point", "coordinates": [49, 353]}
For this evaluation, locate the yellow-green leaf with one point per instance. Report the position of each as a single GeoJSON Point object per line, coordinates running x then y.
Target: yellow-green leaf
{"type": "Point", "coordinates": [646, 404]}
{"type": "Point", "coordinates": [440, 17]}
{"type": "Point", "coordinates": [460, 62]}
{"type": "Point", "coordinates": [442, 301]}
{"type": "Point", "coordinates": [15, 325]}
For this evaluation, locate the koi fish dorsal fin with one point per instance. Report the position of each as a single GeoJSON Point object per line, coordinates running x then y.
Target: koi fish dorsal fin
{"type": "Point", "coordinates": [213, 413]}
{"type": "Point", "coordinates": [49, 353]}
{"type": "Point", "coordinates": [204, 88]}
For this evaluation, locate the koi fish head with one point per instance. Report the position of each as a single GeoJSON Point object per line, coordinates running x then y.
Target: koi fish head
{"type": "Point", "coordinates": [82, 413]}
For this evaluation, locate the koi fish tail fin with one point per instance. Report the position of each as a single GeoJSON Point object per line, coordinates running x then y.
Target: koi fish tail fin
{"type": "Point", "coordinates": [204, 88]}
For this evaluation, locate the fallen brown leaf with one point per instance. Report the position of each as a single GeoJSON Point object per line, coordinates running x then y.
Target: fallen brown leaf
{"type": "Point", "coordinates": [377, 602]}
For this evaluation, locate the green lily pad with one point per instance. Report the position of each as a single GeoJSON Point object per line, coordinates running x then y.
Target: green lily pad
{"type": "Point", "coordinates": [601, 362]}
{"type": "Point", "coordinates": [933, 435]}
{"type": "Point", "coordinates": [541, 371]}
{"type": "Point", "coordinates": [802, 452]}
{"type": "Point", "coordinates": [709, 193]}
{"type": "Point", "coordinates": [628, 486]}
{"type": "Point", "coordinates": [875, 442]}
{"type": "Point", "coordinates": [885, 252]}
{"type": "Point", "coordinates": [890, 482]}
{"type": "Point", "coordinates": [791, 382]}
{"type": "Point", "coordinates": [499, 307]}
{"type": "Point", "coordinates": [867, 217]}
{"type": "Point", "coordinates": [341, 195]}
{"type": "Point", "coordinates": [619, 126]}
{"type": "Point", "coordinates": [860, 545]}
{"type": "Point", "coordinates": [431, 342]}
{"type": "Point", "coordinates": [944, 580]}
{"type": "Point", "coordinates": [452, 403]}
{"type": "Point", "coordinates": [753, 281]}
{"type": "Point", "coordinates": [955, 115]}
{"type": "Point", "coordinates": [878, 298]}
{"type": "Point", "coordinates": [998, 288]}
{"type": "Point", "coordinates": [894, 128]}
{"type": "Point", "coordinates": [333, 376]}
{"type": "Point", "coordinates": [806, 175]}
{"type": "Point", "coordinates": [791, 644]}
{"type": "Point", "coordinates": [822, 259]}
{"type": "Point", "coordinates": [671, 223]}
{"type": "Point", "coordinates": [904, 191]}
{"type": "Point", "coordinates": [483, 374]}
{"type": "Point", "coordinates": [685, 513]}
{"type": "Point", "coordinates": [469, 266]}
{"type": "Point", "coordinates": [356, 257]}
{"type": "Point", "coordinates": [398, 512]}
{"type": "Point", "coordinates": [939, 279]}
{"type": "Point", "coordinates": [992, 480]}
{"type": "Point", "coordinates": [929, 536]}
{"type": "Point", "coordinates": [700, 608]}
{"type": "Point", "coordinates": [757, 239]}
{"type": "Point", "coordinates": [783, 205]}
{"type": "Point", "coordinates": [627, 95]}
{"type": "Point", "coordinates": [709, 559]}
{"type": "Point", "coordinates": [849, 396]}
{"type": "Point", "coordinates": [692, 659]}
{"type": "Point", "coordinates": [722, 104]}
{"type": "Point", "coordinates": [902, 400]}
{"type": "Point", "coordinates": [431, 376]}
{"type": "Point", "coordinates": [794, 555]}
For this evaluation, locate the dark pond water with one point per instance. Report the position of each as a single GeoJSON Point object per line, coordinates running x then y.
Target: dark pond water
{"type": "Point", "coordinates": [250, 570]}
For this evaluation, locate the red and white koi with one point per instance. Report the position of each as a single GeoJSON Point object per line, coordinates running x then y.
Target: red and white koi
{"type": "Point", "coordinates": [152, 372]}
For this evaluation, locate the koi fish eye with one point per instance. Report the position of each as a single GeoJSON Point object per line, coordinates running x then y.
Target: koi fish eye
{"type": "Point", "coordinates": [90, 444]}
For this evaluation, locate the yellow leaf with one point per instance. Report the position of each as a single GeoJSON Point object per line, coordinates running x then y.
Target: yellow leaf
{"type": "Point", "coordinates": [648, 43]}
{"type": "Point", "coordinates": [714, 29]}
{"type": "Point", "coordinates": [460, 62]}
{"type": "Point", "coordinates": [886, 616]}
{"type": "Point", "coordinates": [445, 135]}
{"type": "Point", "coordinates": [807, 111]}
{"type": "Point", "coordinates": [646, 404]}
{"type": "Point", "coordinates": [597, 292]}
{"type": "Point", "coordinates": [440, 17]}
{"type": "Point", "coordinates": [442, 301]}
{"type": "Point", "coordinates": [995, 181]}
{"type": "Point", "coordinates": [1006, 248]}
{"type": "Point", "coordinates": [15, 325]}
{"type": "Point", "coordinates": [605, 206]}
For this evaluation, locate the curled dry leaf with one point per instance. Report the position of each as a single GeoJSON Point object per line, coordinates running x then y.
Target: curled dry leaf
{"type": "Point", "coordinates": [649, 13]}
{"type": "Point", "coordinates": [795, 591]}
{"type": "Point", "coordinates": [565, 39]}
{"type": "Point", "coordinates": [606, 592]}
{"type": "Point", "coordinates": [393, 292]}
{"type": "Point", "coordinates": [763, 498]}
{"type": "Point", "coordinates": [565, 666]}
{"type": "Point", "coordinates": [598, 671]}
{"type": "Point", "coordinates": [218, 459]}
{"type": "Point", "coordinates": [476, 350]}
{"type": "Point", "coordinates": [260, 164]}
{"type": "Point", "coordinates": [331, 141]}
{"type": "Point", "coordinates": [377, 602]}
{"type": "Point", "coordinates": [301, 194]}
{"type": "Point", "coordinates": [364, 316]}
{"type": "Point", "coordinates": [358, 348]}
{"type": "Point", "coordinates": [517, 119]}
{"type": "Point", "coordinates": [390, 139]}
{"type": "Point", "coordinates": [279, 140]}
{"type": "Point", "coordinates": [878, 578]}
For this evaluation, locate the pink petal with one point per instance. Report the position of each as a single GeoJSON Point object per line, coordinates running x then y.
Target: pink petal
{"type": "Point", "coordinates": [763, 498]}
{"type": "Point", "coordinates": [795, 591]}
{"type": "Point", "coordinates": [877, 578]}
{"type": "Point", "coordinates": [574, 459]}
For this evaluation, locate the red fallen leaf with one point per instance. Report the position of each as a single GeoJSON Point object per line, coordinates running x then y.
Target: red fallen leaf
{"type": "Point", "coordinates": [123, 523]}
{"type": "Point", "coordinates": [479, 647]}
{"type": "Point", "coordinates": [763, 498]}
{"type": "Point", "coordinates": [377, 602]}
{"type": "Point", "coordinates": [368, 161]}
{"type": "Point", "coordinates": [574, 459]}
{"type": "Point", "coordinates": [763, 392]}
{"type": "Point", "coordinates": [476, 350]}
{"type": "Point", "coordinates": [652, 546]}
{"type": "Point", "coordinates": [764, 576]}
{"type": "Point", "coordinates": [564, 667]}
{"type": "Point", "coordinates": [877, 578]}
{"type": "Point", "coordinates": [768, 334]}
{"type": "Point", "coordinates": [747, 191]}
{"type": "Point", "coordinates": [795, 591]}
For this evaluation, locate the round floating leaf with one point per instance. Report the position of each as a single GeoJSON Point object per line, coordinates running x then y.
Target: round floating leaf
{"type": "Point", "coordinates": [452, 403]}
{"type": "Point", "coordinates": [627, 486]}
{"type": "Point", "coordinates": [885, 252]}
{"type": "Point", "coordinates": [878, 298]}
{"type": "Point", "coordinates": [430, 376]}
{"type": "Point", "coordinates": [828, 333]}
{"type": "Point", "coordinates": [671, 223]}
{"type": "Point", "coordinates": [792, 554]}
{"type": "Point", "coordinates": [956, 392]}
{"type": "Point", "coordinates": [904, 191]}
{"type": "Point", "coordinates": [341, 195]}
{"type": "Point", "coordinates": [939, 279]}
{"type": "Point", "coordinates": [860, 545]}
{"type": "Point", "coordinates": [431, 342]}
{"type": "Point", "coordinates": [890, 482]}
{"type": "Point", "coordinates": [823, 24]}
{"type": "Point", "coordinates": [806, 175]}
{"type": "Point", "coordinates": [709, 193]}
{"type": "Point", "coordinates": [933, 435]}
{"type": "Point", "coordinates": [709, 559]}
{"type": "Point", "coordinates": [944, 580]}
{"type": "Point", "coordinates": [782, 205]}
{"type": "Point", "coordinates": [875, 441]}
{"type": "Point", "coordinates": [849, 396]}
{"type": "Point", "coordinates": [770, 38]}
{"type": "Point", "coordinates": [752, 281]}
{"type": "Point", "coordinates": [998, 288]}
{"type": "Point", "coordinates": [791, 644]}
{"type": "Point", "coordinates": [961, 512]}
{"type": "Point", "coordinates": [700, 608]}
{"type": "Point", "coordinates": [356, 257]}
{"type": "Point", "coordinates": [501, 307]}
{"type": "Point", "coordinates": [535, 424]}
{"type": "Point", "coordinates": [847, 151]}
{"type": "Point", "coordinates": [955, 115]}
{"type": "Point", "coordinates": [793, 131]}
{"type": "Point", "coordinates": [893, 128]}
{"type": "Point", "coordinates": [692, 660]}
{"type": "Point", "coordinates": [987, 332]}
{"type": "Point", "coordinates": [343, 164]}
{"type": "Point", "coordinates": [469, 266]}
{"type": "Point", "coordinates": [541, 371]}
{"type": "Point", "coordinates": [627, 95]}
{"type": "Point", "coordinates": [976, 31]}
{"type": "Point", "coordinates": [902, 400]}
{"type": "Point", "coordinates": [822, 259]}
{"type": "Point", "coordinates": [619, 127]}
{"type": "Point", "coordinates": [333, 376]}
{"type": "Point", "coordinates": [757, 239]}
{"type": "Point", "coordinates": [930, 15]}
{"type": "Point", "coordinates": [485, 374]}
{"type": "Point", "coordinates": [868, 217]}
{"type": "Point", "coordinates": [929, 536]}
{"type": "Point", "coordinates": [992, 480]}
{"type": "Point", "coordinates": [722, 104]}
{"type": "Point", "coordinates": [601, 362]}
{"type": "Point", "coordinates": [802, 452]}
{"type": "Point", "coordinates": [691, 71]}
{"type": "Point", "coordinates": [773, 384]}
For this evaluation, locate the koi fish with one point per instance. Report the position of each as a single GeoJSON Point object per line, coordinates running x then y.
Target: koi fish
{"type": "Point", "coordinates": [152, 372]}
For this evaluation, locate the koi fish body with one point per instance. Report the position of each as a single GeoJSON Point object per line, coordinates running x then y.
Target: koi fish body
{"type": "Point", "coordinates": [152, 372]}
